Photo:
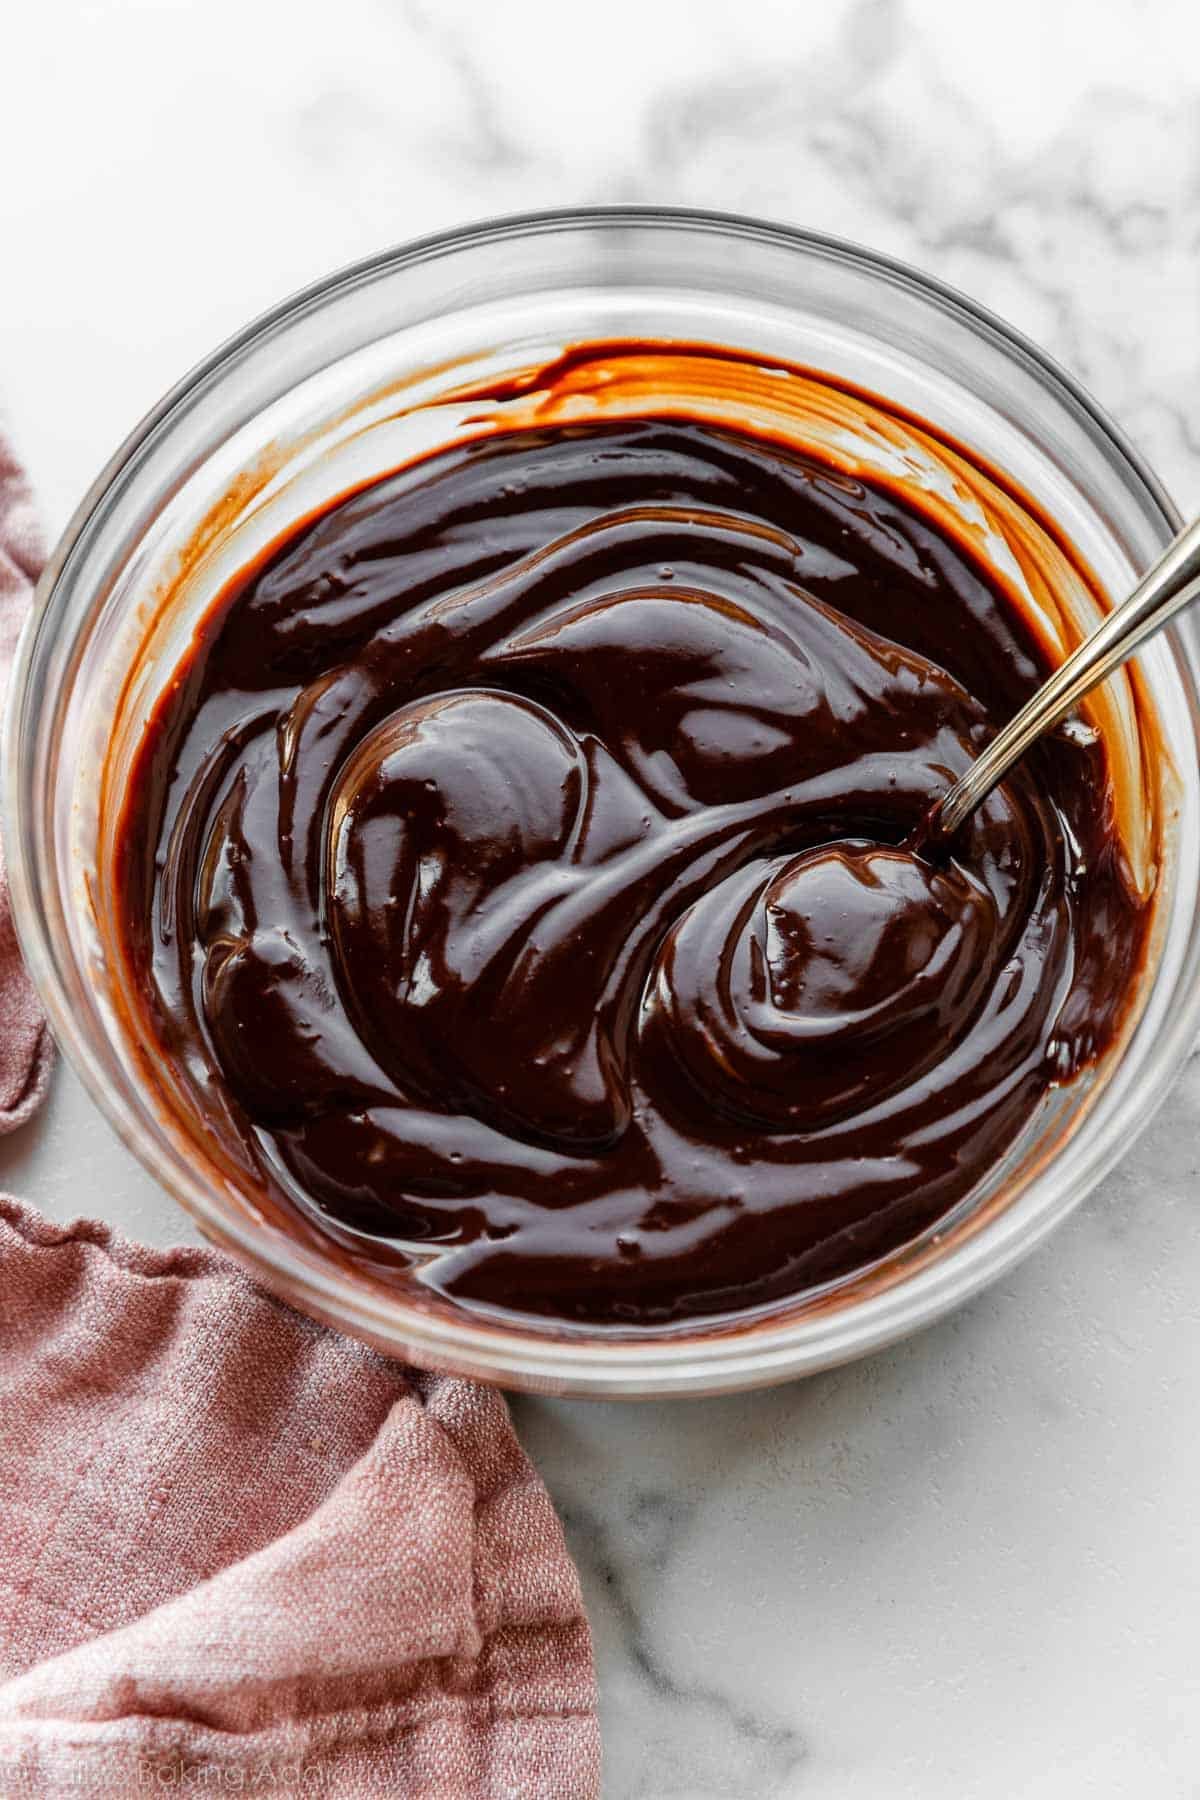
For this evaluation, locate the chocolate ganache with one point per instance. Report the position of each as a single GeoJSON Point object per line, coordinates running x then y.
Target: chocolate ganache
{"type": "Point", "coordinates": [516, 869]}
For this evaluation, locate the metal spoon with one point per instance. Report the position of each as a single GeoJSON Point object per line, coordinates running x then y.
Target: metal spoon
{"type": "Point", "coordinates": [1172, 583]}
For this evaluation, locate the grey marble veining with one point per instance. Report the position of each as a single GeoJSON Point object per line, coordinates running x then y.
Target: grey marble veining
{"type": "Point", "coordinates": [967, 1566]}
{"type": "Point", "coordinates": [967, 1569]}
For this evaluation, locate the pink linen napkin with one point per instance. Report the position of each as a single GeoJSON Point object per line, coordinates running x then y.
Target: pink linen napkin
{"type": "Point", "coordinates": [239, 1553]}
{"type": "Point", "coordinates": [25, 1048]}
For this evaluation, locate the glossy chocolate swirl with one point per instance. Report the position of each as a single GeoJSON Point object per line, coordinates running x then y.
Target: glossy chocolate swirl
{"type": "Point", "coordinates": [516, 874]}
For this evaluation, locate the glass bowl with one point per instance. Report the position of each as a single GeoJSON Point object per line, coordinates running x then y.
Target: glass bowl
{"type": "Point", "coordinates": [348, 379]}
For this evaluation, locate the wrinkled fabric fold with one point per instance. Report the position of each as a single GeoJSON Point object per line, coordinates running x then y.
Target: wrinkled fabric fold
{"type": "Point", "coordinates": [25, 1045]}
{"type": "Point", "coordinates": [237, 1546]}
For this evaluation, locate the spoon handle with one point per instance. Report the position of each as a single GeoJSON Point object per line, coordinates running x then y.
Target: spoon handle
{"type": "Point", "coordinates": [1172, 583]}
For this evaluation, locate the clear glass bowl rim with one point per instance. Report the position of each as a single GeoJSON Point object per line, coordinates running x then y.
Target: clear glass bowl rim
{"type": "Point", "coordinates": [698, 1364]}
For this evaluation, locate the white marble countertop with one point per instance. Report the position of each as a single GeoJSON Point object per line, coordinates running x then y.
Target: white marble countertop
{"type": "Point", "coordinates": [968, 1568]}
